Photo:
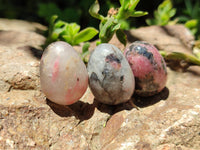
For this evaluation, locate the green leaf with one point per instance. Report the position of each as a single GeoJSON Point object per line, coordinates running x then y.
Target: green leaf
{"type": "Point", "coordinates": [163, 14]}
{"type": "Point", "coordinates": [116, 27]}
{"type": "Point", "coordinates": [150, 22]}
{"type": "Point", "coordinates": [73, 29]}
{"type": "Point", "coordinates": [127, 9]}
{"type": "Point", "coordinates": [172, 12]}
{"type": "Point", "coordinates": [138, 14]}
{"type": "Point", "coordinates": [51, 23]}
{"type": "Point", "coordinates": [196, 50]}
{"type": "Point", "coordinates": [178, 56]}
{"type": "Point", "coordinates": [68, 39]}
{"type": "Point", "coordinates": [98, 42]}
{"type": "Point", "coordinates": [53, 33]}
{"type": "Point", "coordinates": [124, 4]}
{"type": "Point", "coordinates": [133, 4]}
{"type": "Point", "coordinates": [60, 27]}
{"type": "Point", "coordinates": [94, 9]}
{"type": "Point", "coordinates": [85, 35]}
{"type": "Point", "coordinates": [106, 30]}
{"type": "Point", "coordinates": [85, 47]}
{"type": "Point", "coordinates": [54, 36]}
{"type": "Point", "coordinates": [124, 24]}
{"type": "Point", "coordinates": [85, 52]}
{"type": "Point", "coordinates": [53, 20]}
{"type": "Point", "coordinates": [59, 24]}
{"type": "Point", "coordinates": [191, 23]}
{"type": "Point", "coordinates": [66, 30]}
{"type": "Point", "coordinates": [121, 36]}
{"type": "Point", "coordinates": [58, 30]}
{"type": "Point", "coordinates": [129, 5]}
{"type": "Point", "coordinates": [121, 3]}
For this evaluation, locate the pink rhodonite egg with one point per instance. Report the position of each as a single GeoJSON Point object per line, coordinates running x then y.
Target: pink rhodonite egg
{"type": "Point", "coordinates": [148, 67]}
{"type": "Point", "coordinates": [63, 75]}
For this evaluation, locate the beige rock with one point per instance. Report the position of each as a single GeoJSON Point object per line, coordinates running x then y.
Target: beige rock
{"type": "Point", "coordinates": [169, 120]}
{"type": "Point", "coordinates": [19, 62]}
{"type": "Point", "coordinates": [169, 38]}
{"type": "Point", "coordinates": [20, 25]}
{"type": "Point", "coordinates": [174, 120]}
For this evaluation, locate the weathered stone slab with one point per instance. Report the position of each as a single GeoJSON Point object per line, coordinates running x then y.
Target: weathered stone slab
{"type": "Point", "coordinates": [169, 120]}
{"type": "Point", "coordinates": [170, 38]}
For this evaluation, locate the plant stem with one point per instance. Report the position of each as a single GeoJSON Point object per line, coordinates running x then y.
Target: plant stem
{"type": "Point", "coordinates": [179, 57]}
{"type": "Point", "coordinates": [196, 49]}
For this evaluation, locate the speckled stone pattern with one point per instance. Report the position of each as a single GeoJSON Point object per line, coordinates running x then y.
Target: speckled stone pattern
{"type": "Point", "coordinates": [110, 77]}
{"type": "Point", "coordinates": [64, 77]}
{"type": "Point", "coordinates": [148, 66]}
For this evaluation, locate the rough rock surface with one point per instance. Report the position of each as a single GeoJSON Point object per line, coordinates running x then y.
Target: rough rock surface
{"type": "Point", "coordinates": [169, 120]}
{"type": "Point", "coordinates": [170, 38]}
{"type": "Point", "coordinates": [20, 53]}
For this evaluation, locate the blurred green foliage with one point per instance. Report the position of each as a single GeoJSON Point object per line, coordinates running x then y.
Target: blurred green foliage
{"type": "Point", "coordinates": [111, 23]}
{"type": "Point", "coordinates": [69, 11]}
{"type": "Point", "coordinates": [163, 14]}
{"type": "Point", "coordinates": [187, 12]}
{"type": "Point", "coordinates": [180, 11]}
{"type": "Point", "coordinates": [69, 32]}
{"type": "Point", "coordinates": [46, 10]}
{"type": "Point", "coordinates": [42, 10]}
{"type": "Point", "coordinates": [190, 16]}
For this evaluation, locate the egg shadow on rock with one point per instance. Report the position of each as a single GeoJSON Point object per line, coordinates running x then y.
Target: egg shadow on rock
{"type": "Point", "coordinates": [112, 109]}
{"type": "Point", "coordinates": [138, 101]}
{"type": "Point", "coordinates": [35, 52]}
{"type": "Point", "coordinates": [84, 111]}
{"type": "Point", "coordinates": [142, 102]}
{"type": "Point", "coordinates": [81, 110]}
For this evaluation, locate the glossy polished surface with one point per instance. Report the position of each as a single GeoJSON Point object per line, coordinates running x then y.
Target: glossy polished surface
{"type": "Point", "coordinates": [148, 67]}
{"type": "Point", "coordinates": [110, 77]}
{"type": "Point", "coordinates": [63, 75]}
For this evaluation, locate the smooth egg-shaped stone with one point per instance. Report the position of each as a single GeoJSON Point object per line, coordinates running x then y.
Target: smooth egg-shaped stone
{"type": "Point", "coordinates": [63, 75]}
{"type": "Point", "coordinates": [110, 77]}
{"type": "Point", "coordinates": [148, 67]}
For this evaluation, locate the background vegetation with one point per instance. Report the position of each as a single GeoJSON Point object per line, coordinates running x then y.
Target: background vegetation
{"type": "Point", "coordinates": [74, 19]}
{"type": "Point", "coordinates": [67, 10]}
{"type": "Point", "coordinates": [186, 12]}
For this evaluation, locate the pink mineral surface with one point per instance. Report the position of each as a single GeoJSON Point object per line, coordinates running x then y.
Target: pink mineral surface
{"type": "Point", "coordinates": [63, 75]}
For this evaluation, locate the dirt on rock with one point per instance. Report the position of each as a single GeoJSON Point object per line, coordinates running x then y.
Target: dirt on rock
{"type": "Point", "coordinates": [168, 120]}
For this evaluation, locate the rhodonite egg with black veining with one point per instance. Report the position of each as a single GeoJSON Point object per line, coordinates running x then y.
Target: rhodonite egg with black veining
{"type": "Point", "coordinates": [63, 75]}
{"type": "Point", "coordinates": [148, 67]}
{"type": "Point", "coordinates": [110, 77]}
